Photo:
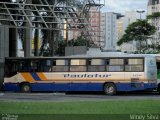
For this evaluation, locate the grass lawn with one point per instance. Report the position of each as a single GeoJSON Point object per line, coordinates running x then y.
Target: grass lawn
{"type": "Point", "coordinates": [106, 107]}
{"type": "Point", "coordinates": [78, 108]}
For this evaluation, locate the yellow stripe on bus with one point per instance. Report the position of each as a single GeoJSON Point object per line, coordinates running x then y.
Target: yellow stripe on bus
{"type": "Point", "coordinates": [42, 76]}
{"type": "Point", "coordinates": [28, 77]}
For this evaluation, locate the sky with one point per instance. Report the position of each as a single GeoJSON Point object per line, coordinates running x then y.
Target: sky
{"type": "Point", "coordinates": [121, 6]}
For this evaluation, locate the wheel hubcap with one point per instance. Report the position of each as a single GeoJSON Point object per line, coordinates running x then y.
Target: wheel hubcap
{"type": "Point", "coordinates": [26, 88]}
{"type": "Point", "coordinates": [110, 89]}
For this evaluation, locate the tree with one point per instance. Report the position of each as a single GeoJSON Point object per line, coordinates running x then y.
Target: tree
{"type": "Point", "coordinates": [80, 41]}
{"type": "Point", "coordinates": [154, 15]}
{"type": "Point", "coordinates": [61, 48]}
{"type": "Point", "coordinates": [138, 31]}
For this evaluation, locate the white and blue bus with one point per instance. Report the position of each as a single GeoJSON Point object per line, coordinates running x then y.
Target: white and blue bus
{"type": "Point", "coordinates": [108, 73]}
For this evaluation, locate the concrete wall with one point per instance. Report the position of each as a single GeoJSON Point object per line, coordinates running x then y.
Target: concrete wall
{"type": "Point", "coordinates": [4, 49]}
{"type": "Point", "coordinates": [76, 50]}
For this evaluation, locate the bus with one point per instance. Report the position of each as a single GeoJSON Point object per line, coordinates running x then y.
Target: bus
{"type": "Point", "coordinates": [102, 73]}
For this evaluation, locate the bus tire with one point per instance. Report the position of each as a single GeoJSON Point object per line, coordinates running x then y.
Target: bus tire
{"type": "Point", "coordinates": [109, 89]}
{"type": "Point", "coordinates": [25, 87]}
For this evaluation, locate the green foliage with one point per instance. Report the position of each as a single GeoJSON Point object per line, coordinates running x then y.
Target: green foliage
{"type": "Point", "coordinates": [61, 48]}
{"type": "Point", "coordinates": [137, 31]}
{"type": "Point", "coordinates": [80, 41]}
{"type": "Point", "coordinates": [154, 15]}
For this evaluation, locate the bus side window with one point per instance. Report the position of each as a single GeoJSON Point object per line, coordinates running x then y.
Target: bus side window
{"type": "Point", "coordinates": [40, 66]}
{"type": "Point", "coordinates": [44, 65]}
{"type": "Point", "coordinates": [60, 65]}
{"type": "Point", "coordinates": [34, 66]}
{"type": "Point", "coordinates": [49, 65]}
{"type": "Point", "coordinates": [26, 66]}
{"type": "Point", "coordinates": [9, 68]}
{"type": "Point", "coordinates": [134, 65]}
{"type": "Point", "coordinates": [96, 65]}
{"type": "Point", "coordinates": [115, 65]}
{"type": "Point", "coordinates": [22, 65]}
{"type": "Point", "coordinates": [78, 65]}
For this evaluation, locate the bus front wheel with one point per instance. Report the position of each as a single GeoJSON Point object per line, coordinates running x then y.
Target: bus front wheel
{"type": "Point", "coordinates": [109, 89]}
{"type": "Point", "coordinates": [25, 87]}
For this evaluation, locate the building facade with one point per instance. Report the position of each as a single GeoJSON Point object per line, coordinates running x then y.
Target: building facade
{"type": "Point", "coordinates": [95, 19]}
{"type": "Point", "coordinates": [130, 17]}
{"type": "Point", "coordinates": [93, 29]}
{"type": "Point", "coordinates": [154, 6]}
{"type": "Point", "coordinates": [109, 30]}
{"type": "Point", "coordinates": [120, 28]}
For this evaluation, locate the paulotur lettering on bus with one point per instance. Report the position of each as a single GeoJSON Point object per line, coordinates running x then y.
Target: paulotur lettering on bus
{"type": "Point", "coordinates": [86, 75]}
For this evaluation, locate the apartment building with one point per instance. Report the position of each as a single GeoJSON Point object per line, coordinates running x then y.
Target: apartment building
{"type": "Point", "coordinates": [154, 6]}
{"type": "Point", "coordinates": [109, 30]}
{"type": "Point", "coordinates": [129, 17]}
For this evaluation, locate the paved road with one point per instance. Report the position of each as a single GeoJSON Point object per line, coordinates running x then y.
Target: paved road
{"type": "Point", "coordinates": [61, 97]}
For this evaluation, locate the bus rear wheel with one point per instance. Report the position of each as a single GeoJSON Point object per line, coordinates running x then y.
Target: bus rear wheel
{"type": "Point", "coordinates": [109, 89]}
{"type": "Point", "coordinates": [25, 88]}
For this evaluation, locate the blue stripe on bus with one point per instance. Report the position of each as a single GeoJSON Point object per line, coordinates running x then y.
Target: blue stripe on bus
{"type": "Point", "coordinates": [35, 76]}
{"type": "Point", "coordinates": [60, 87]}
{"type": "Point", "coordinates": [11, 87]}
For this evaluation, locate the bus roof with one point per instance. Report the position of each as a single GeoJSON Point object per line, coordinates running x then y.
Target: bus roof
{"type": "Point", "coordinates": [96, 55]}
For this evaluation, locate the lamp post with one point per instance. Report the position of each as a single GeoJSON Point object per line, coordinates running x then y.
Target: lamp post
{"type": "Point", "coordinates": [140, 12]}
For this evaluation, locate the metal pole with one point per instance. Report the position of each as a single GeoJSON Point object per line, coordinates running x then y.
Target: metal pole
{"type": "Point", "coordinates": [140, 12]}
